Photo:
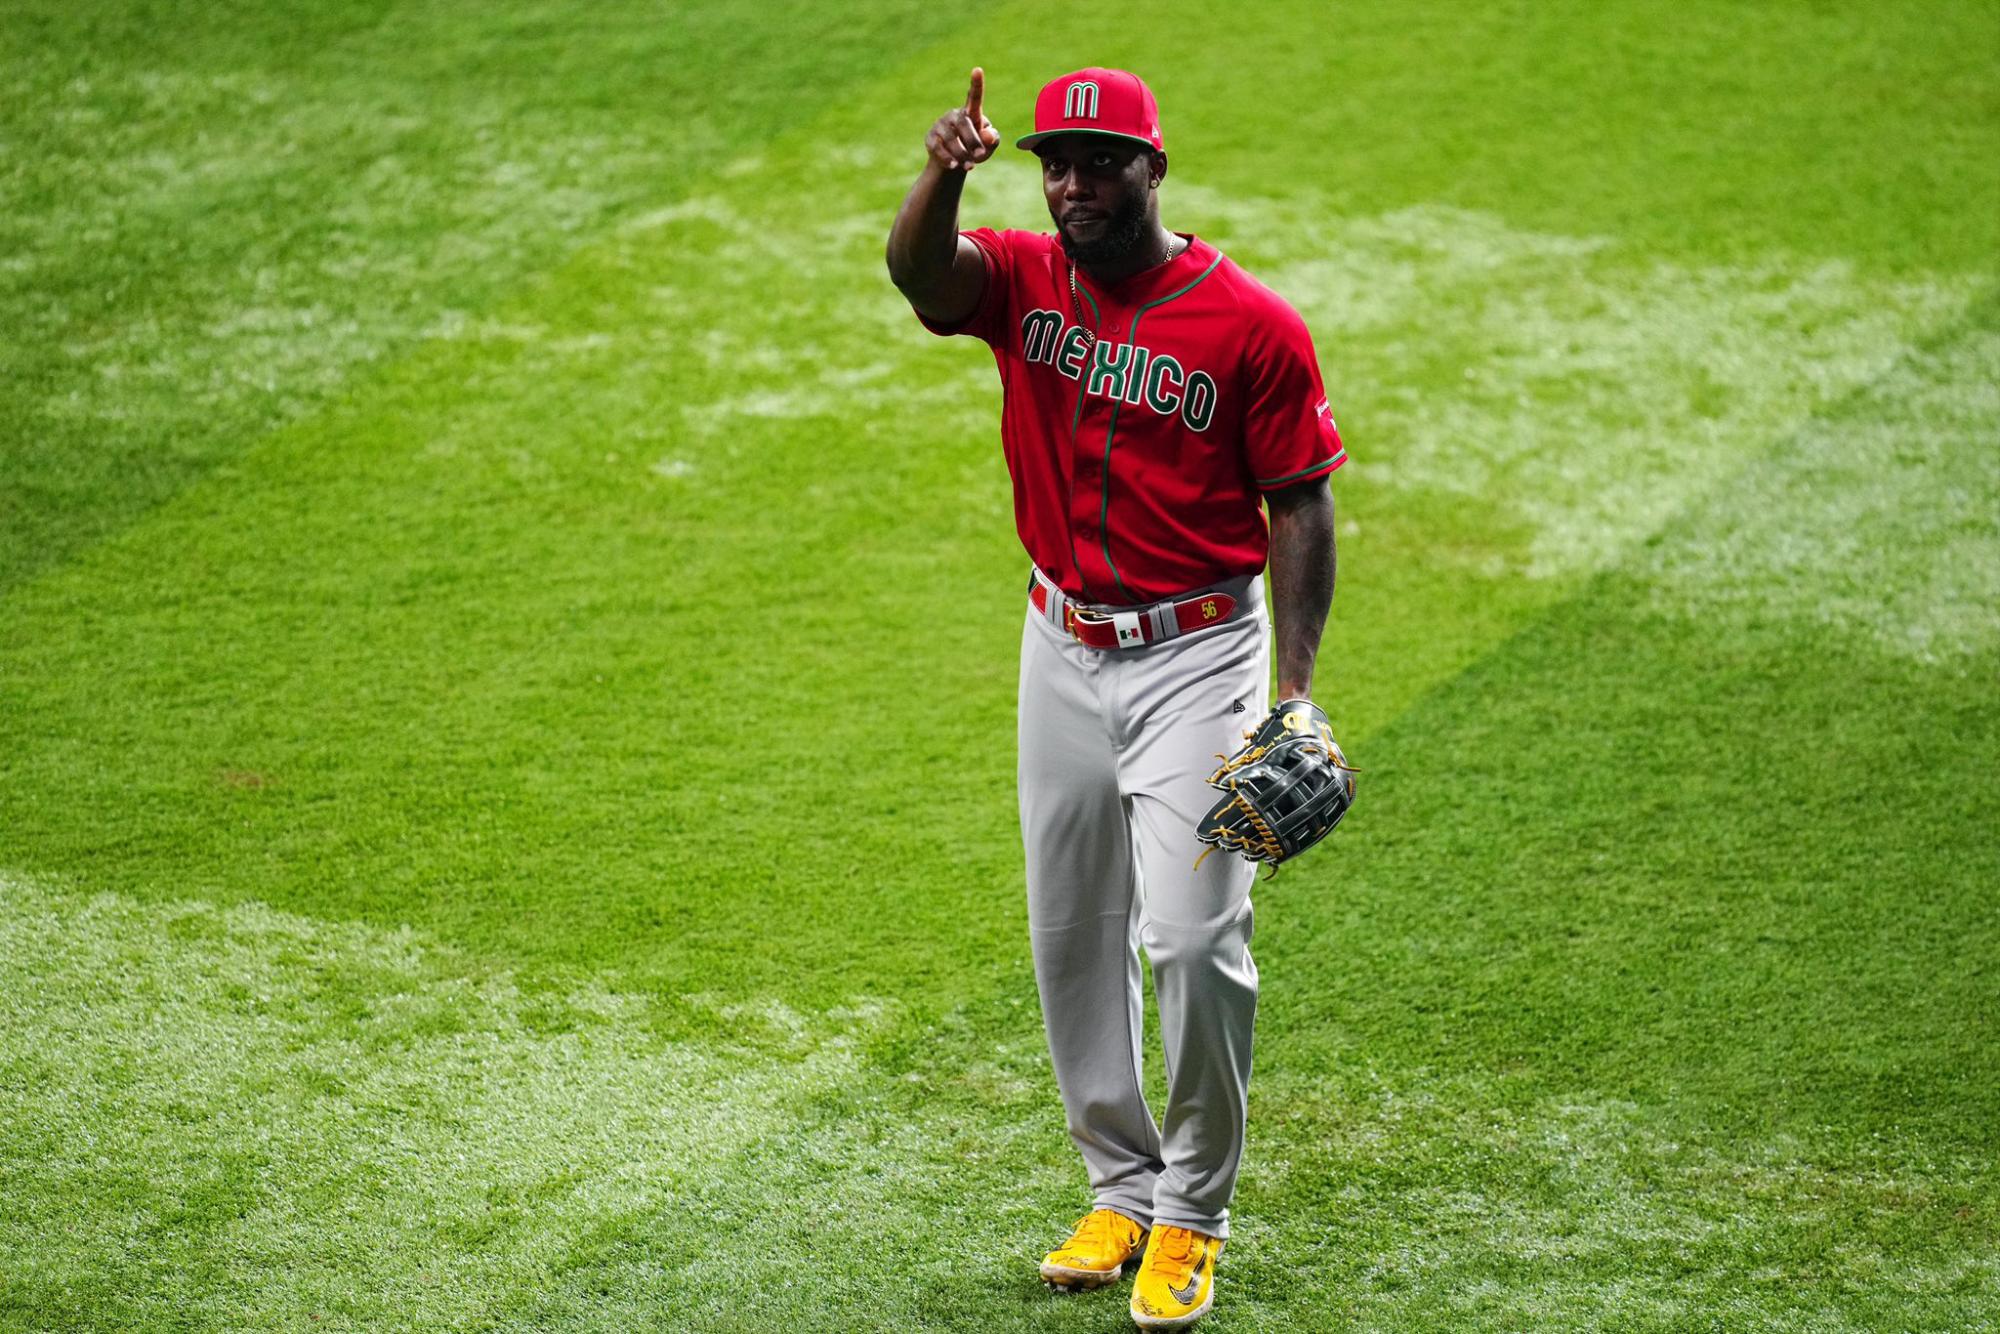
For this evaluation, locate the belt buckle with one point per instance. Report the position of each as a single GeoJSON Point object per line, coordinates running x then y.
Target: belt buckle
{"type": "Point", "coordinates": [1082, 616]}
{"type": "Point", "coordinates": [1128, 627]}
{"type": "Point", "coordinates": [1076, 618]}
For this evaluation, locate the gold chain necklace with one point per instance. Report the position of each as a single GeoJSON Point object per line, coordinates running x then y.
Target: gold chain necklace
{"type": "Point", "coordinates": [1174, 247]}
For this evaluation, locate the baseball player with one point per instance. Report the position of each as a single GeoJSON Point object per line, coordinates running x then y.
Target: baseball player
{"type": "Point", "coordinates": [1157, 400]}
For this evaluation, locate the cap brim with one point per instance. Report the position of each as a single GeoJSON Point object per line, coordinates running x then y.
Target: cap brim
{"type": "Point", "coordinates": [1030, 140]}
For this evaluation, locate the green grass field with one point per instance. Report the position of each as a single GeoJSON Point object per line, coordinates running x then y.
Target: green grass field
{"type": "Point", "coordinates": [507, 636]}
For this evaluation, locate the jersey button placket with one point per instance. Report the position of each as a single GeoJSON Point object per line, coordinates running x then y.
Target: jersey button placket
{"type": "Point", "coordinates": [1087, 501]}
{"type": "Point", "coordinates": [1088, 468]}
{"type": "Point", "coordinates": [1086, 494]}
{"type": "Point", "coordinates": [1091, 506]}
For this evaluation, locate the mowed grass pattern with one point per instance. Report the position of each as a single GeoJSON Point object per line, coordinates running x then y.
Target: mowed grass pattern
{"type": "Point", "coordinates": [505, 730]}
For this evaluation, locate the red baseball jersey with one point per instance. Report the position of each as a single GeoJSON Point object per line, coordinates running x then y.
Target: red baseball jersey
{"type": "Point", "coordinates": [1139, 462]}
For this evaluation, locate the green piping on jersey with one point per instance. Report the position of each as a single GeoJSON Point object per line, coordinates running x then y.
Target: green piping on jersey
{"type": "Point", "coordinates": [1268, 482]}
{"type": "Point", "coordinates": [1075, 417]}
{"type": "Point", "coordinates": [1111, 427]}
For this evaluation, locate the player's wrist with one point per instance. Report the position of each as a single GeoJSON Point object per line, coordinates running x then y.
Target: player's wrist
{"type": "Point", "coordinates": [943, 175]}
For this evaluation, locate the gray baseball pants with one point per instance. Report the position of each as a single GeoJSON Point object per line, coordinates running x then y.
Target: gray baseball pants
{"type": "Point", "coordinates": [1116, 746]}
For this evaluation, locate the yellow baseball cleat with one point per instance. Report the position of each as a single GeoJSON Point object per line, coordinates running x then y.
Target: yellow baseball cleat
{"type": "Point", "coordinates": [1176, 1283]}
{"type": "Point", "coordinates": [1096, 1251]}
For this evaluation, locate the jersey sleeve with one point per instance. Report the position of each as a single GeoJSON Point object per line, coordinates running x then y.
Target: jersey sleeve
{"type": "Point", "coordinates": [989, 318]}
{"type": "Point", "coordinates": [1288, 429]}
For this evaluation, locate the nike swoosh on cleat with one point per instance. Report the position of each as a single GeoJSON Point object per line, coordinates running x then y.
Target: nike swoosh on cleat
{"type": "Point", "coordinates": [1185, 1296]}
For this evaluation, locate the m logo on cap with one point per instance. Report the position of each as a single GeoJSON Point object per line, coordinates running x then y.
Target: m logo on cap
{"type": "Point", "coordinates": [1104, 101]}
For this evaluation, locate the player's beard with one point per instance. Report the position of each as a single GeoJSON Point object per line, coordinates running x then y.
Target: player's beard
{"type": "Point", "coordinates": [1123, 231]}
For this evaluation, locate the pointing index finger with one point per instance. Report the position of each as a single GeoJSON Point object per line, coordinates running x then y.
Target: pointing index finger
{"type": "Point", "coordinates": [975, 95]}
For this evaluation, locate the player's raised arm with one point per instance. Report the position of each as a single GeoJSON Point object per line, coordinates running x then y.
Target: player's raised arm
{"type": "Point", "coordinates": [941, 273]}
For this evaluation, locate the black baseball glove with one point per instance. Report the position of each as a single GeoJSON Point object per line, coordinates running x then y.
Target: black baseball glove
{"type": "Point", "coordinates": [1284, 791]}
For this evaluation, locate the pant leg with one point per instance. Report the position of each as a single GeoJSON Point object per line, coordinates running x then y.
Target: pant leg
{"type": "Point", "coordinates": [1083, 917]}
{"type": "Point", "coordinates": [1183, 708]}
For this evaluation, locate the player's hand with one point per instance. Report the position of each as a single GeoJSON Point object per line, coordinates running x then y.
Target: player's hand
{"type": "Point", "coordinates": [963, 137]}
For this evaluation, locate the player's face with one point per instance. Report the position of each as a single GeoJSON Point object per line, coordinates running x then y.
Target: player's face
{"type": "Point", "coordinates": [1098, 192]}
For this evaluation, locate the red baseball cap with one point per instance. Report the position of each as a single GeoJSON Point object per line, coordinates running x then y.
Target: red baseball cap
{"type": "Point", "coordinates": [1113, 102]}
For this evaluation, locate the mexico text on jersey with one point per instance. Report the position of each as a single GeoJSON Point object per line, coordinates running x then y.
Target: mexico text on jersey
{"type": "Point", "coordinates": [1143, 422]}
{"type": "Point", "coordinates": [1125, 372]}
